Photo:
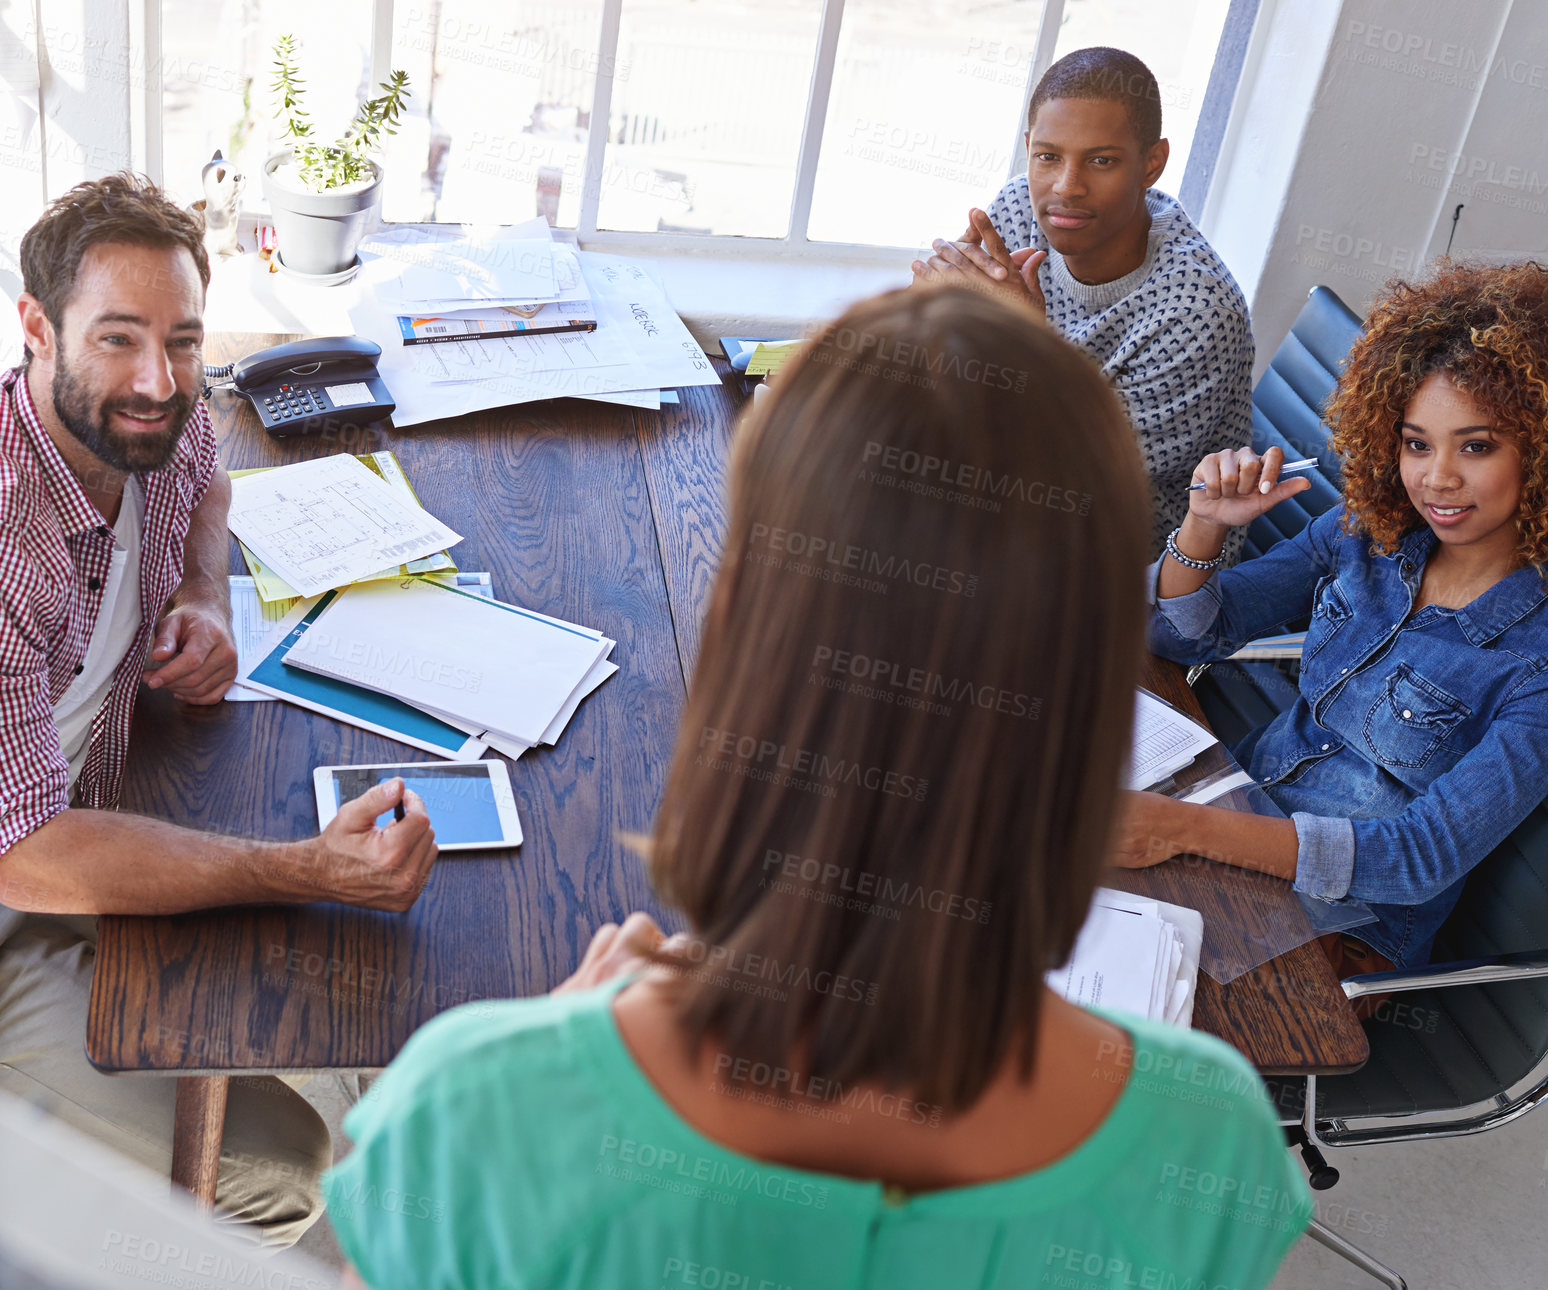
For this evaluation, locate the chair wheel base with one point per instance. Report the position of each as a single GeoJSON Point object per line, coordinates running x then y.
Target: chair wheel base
{"type": "Point", "coordinates": [1321, 1176]}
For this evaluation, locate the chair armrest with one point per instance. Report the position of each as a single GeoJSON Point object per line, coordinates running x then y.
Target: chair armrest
{"type": "Point", "coordinates": [1267, 648]}
{"type": "Point", "coordinates": [1434, 976]}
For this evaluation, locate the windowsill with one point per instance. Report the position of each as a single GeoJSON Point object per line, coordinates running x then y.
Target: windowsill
{"type": "Point", "coordinates": [736, 296]}
{"type": "Point", "coordinates": [715, 294]}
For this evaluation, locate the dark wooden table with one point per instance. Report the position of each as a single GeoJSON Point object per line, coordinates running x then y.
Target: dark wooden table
{"type": "Point", "coordinates": [604, 515]}
{"type": "Point", "coordinates": [1288, 1014]}
{"type": "Point", "coordinates": [595, 513]}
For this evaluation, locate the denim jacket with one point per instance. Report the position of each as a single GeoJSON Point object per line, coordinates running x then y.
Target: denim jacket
{"type": "Point", "coordinates": [1414, 746]}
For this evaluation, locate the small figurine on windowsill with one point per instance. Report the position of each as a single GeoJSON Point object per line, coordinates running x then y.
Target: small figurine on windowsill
{"type": "Point", "coordinates": [222, 205]}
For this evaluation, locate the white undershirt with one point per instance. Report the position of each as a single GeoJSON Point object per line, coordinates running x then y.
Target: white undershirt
{"type": "Point", "coordinates": [118, 620]}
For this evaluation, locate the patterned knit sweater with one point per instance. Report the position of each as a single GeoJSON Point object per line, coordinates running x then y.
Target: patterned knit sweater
{"type": "Point", "coordinates": [1172, 336]}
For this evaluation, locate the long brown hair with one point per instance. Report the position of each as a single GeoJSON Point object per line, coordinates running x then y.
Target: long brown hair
{"type": "Point", "coordinates": [893, 788]}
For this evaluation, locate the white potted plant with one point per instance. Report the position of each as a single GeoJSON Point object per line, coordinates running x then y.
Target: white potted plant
{"type": "Point", "coordinates": [324, 196]}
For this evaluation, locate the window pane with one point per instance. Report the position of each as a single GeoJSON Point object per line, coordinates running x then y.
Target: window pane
{"type": "Point", "coordinates": [218, 63]}
{"type": "Point", "coordinates": [1177, 41]}
{"type": "Point", "coordinates": [499, 134]}
{"type": "Point", "coordinates": [708, 104]}
{"type": "Point", "coordinates": [927, 99]}
{"type": "Point", "coordinates": [920, 121]}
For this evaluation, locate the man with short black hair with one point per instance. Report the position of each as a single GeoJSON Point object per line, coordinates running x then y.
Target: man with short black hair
{"type": "Point", "coordinates": [113, 559]}
{"type": "Point", "coordinates": [1118, 268]}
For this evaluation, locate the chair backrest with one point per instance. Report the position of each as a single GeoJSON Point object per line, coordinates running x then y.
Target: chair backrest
{"type": "Point", "coordinates": [1287, 412]}
{"type": "Point", "coordinates": [1504, 910]}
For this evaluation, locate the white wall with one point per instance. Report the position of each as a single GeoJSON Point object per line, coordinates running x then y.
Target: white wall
{"type": "Point", "coordinates": [1359, 126]}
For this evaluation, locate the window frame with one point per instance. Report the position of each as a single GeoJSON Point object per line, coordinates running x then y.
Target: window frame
{"type": "Point", "coordinates": [145, 23]}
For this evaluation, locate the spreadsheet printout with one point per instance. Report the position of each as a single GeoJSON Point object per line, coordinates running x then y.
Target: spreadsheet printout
{"type": "Point", "coordinates": [1164, 740]}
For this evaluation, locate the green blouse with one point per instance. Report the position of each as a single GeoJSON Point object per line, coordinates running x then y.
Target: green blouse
{"type": "Point", "coordinates": [517, 1144]}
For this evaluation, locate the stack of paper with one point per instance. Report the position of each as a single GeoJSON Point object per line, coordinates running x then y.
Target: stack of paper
{"type": "Point", "coordinates": [1134, 955]}
{"type": "Point", "coordinates": [322, 523]}
{"type": "Point", "coordinates": [254, 621]}
{"type": "Point", "coordinates": [507, 676]}
{"type": "Point", "coordinates": [272, 589]}
{"type": "Point", "coordinates": [1165, 740]}
{"type": "Point", "coordinates": [429, 658]}
{"type": "Point", "coordinates": [469, 293]}
{"type": "Point", "coordinates": [637, 355]}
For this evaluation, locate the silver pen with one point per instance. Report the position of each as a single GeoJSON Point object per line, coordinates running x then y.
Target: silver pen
{"type": "Point", "coordinates": [1289, 468]}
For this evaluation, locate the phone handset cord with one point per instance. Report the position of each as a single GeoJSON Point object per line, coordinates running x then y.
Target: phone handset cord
{"type": "Point", "coordinates": [215, 374]}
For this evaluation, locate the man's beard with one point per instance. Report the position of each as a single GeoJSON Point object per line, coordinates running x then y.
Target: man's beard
{"type": "Point", "coordinates": [75, 403]}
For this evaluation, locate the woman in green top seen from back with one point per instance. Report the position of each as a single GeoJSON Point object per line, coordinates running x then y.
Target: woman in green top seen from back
{"type": "Point", "coordinates": [890, 802]}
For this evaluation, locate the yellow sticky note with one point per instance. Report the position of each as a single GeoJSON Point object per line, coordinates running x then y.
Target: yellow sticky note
{"type": "Point", "coordinates": [770, 356]}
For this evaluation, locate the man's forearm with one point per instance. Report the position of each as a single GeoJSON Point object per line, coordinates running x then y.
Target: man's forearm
{"type": "Point", "coordinates": [103, 862]}
{"type": "Point", "coordinates": [207, 548]}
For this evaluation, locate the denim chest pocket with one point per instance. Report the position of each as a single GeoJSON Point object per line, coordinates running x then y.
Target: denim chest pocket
{"type": "Point", "coordinates": [1412, 719]}
{"type": "Point", "coordinates": [1330, 611]}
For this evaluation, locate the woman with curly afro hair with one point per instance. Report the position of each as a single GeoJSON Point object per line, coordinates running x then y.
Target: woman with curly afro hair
{"type": "Point", "coordinates": [1420, 735]}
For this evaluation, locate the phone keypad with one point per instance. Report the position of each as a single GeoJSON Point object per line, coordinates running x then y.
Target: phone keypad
{"type": "Point", "coordinates": [295, 403]}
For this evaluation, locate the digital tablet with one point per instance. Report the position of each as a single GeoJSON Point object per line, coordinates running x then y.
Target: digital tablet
{"type": "Point", "coordinates": [469, 802]}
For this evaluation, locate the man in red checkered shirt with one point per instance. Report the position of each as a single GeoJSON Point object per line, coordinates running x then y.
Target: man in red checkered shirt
{"type": "Point", "coordinates": [113, 560]}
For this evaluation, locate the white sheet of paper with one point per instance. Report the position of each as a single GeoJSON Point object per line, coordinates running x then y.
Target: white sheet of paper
{"type": "Point", "coordinates": [651, 400]}
{"type": "Point", "coordinates": [477, 269]}
{"type": "Point", "coordinates": [507, 747]}
{"type": "Point", "coordinates": [628, 300]}
{"type": "Point", "coordinates": [252, 624]}
{"type": "Point", "coordinates": [511, 748]}
{"type": "Point", "coordinates": [323, 523]}
{"type": "Point", "coordinates": [343, 710]}
{"type": "Point", "coordinates": [514, 357]}
{"type": "Point", "coordinates": [600, 671]}
{"type": "Point", "coordinates": [628, 295]}
{"type": "Point", "coordinates": [256, 626]}
{"type": "Point", "coordinates": [1219, 788]}
{"type": "Point", "coordinates": [451, 654]}
{"type": "Point", "coordinates": [1114, 963]}
{"type": "Point", "coordinates": [1164, 741]}
{"type": "Point", "coordinates": [1187, 938]}
{"type": "Point", "coordinates": [569, 286]}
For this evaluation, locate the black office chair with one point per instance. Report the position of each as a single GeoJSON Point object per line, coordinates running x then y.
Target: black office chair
{"type": "Point", "coordinates": [1463, 1045]}
{"type": "Point", "coordinates": [1286, 413]}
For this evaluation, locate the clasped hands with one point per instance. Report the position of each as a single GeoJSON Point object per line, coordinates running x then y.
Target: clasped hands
{"type": "Point", "coordinates": [979, 260]}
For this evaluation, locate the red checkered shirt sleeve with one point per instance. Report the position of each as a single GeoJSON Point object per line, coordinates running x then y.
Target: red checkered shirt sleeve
{"type": "Point", "coordinates": [198, 453]}
{"type": "Point", "coordinates": [34, 776]}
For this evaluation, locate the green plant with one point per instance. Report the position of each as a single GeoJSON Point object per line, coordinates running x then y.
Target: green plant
{"type": "Point", "coordinates": [329, 165]}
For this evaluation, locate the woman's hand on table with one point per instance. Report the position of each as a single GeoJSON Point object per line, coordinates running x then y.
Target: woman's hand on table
{"type": "Point", "coordinates": [1146, 832]}
{"type": "Point", "coordinates": [1234, 482]}
{"type": "Point", "coordinates": [615, 950]}
{"type": "Point", "coordinates": [1152, 828]}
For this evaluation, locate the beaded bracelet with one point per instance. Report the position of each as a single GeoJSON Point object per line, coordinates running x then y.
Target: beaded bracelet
{"type": "Point", "coordinates": [1188, 560]}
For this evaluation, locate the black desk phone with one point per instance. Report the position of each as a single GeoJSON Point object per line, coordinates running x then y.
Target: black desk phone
{"type": "Point", "coordinates": [311, 385]}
